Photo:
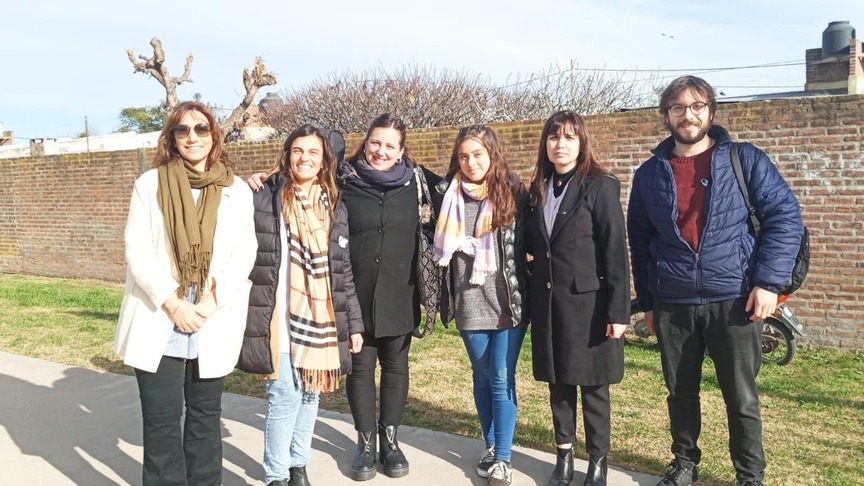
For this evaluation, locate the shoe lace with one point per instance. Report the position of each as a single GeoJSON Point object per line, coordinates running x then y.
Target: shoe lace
{"type": "Point", "coordinates": [499, 470]}
{"type": "Point", "coordinates": [488, 455]}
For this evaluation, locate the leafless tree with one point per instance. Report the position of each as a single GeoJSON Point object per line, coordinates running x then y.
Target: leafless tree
{"type": "Point", "coordinates": [425, 97]}
{"type": "Point", "coordinates": [252, 81]}
{"type": "Point", "coordinates": [155, 67]}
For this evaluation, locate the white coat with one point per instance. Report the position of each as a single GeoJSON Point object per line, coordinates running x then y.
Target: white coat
{"type": "Point", "coordinates": [143, 329]}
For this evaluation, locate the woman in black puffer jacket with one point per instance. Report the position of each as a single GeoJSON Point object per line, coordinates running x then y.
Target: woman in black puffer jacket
{"type": "Point", "coordinates": [304, 316]}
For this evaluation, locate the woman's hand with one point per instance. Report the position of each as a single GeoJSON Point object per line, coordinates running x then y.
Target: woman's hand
{"type": "Point", "coordinates": [355, 343]}
{"type": "Point", "coordinates": [186, 318]}
{"type": "Point", "coordinates": [207, 306]}
{"type": "Point", "coordinates": [615, 331]}
{"type": "Point", "coordinates": [256, 181]}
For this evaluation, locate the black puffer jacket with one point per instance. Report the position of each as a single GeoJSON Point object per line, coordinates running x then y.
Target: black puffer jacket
{"type": "Point", "coordinates": [511, 251]}
{"type": "Point", "coordinates": [257, 354]}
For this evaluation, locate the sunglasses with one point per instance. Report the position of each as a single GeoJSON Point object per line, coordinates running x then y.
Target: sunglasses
{"type": "Point", "coordinates": [182, 131]}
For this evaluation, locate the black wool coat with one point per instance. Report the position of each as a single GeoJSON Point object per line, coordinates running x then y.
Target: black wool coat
{"type": "Point", "coordinates": [579, 283]}
{"type": "Point", "coordinates": [258, 353]}
{"type": "Point", "coordinates": [383, 225]}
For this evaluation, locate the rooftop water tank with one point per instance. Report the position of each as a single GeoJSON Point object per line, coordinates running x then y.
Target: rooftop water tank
{"type": "Point", "coordinates": [836, 38]}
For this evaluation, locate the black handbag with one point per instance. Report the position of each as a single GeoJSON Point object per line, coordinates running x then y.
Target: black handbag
{"type": "Point", "coordinates": [428, 274]}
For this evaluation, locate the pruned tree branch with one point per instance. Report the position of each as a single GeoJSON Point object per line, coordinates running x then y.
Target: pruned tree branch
{"type": "Point", "coordinates": [252, 82]}
{"type": "Point", "coordinates": [155, 67]}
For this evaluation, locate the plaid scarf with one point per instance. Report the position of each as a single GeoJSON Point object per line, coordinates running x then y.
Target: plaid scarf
{"type": "Point", "coordinates": [312, 322]}
{"type": "Point", "coordinates": [450, 234]}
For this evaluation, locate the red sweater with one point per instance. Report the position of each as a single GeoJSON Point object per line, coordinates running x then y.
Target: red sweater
{"type": "Point", "coordinates": [692, 177]}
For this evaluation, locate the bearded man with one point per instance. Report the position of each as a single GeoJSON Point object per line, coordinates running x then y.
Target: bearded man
{"type": "Point", "coordinates": [705, 280]}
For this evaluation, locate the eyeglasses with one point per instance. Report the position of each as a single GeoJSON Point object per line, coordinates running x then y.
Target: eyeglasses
{"type": "Point", "coordinates": [182, 131]}
{"type": "Point", "coordinates": [696, 108]}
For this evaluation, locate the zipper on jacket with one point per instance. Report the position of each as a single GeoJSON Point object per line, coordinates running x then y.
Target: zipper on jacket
{"type": "Point", "coordinates": [504, 272]}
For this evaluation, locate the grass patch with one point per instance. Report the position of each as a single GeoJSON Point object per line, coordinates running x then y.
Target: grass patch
{"type": "Point", "coordinates": [813, 409]}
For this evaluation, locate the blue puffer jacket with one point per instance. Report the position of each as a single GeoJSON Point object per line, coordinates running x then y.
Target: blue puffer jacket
{"type": "Point", "coordinates": [729, 261]}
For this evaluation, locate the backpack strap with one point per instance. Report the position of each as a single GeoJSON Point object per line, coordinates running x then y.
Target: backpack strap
{"type": "Point", "coordinates": [742, 185]}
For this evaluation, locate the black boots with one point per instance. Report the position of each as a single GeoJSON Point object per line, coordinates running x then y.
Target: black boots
{"type": "Point", "coordinates": [298, 476]}
{"type": "Point", "coordinates": [391, 457]}
{"type": "Point", "coordinates": [597, 468]}
{"type": "Point", "coordinates": [363, 467]}
{"type": "Point", "coordinates": [563, 472]}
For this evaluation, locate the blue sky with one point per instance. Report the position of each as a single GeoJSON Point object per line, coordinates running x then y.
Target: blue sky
{"type": "Point", "coordinates": [62, 61]}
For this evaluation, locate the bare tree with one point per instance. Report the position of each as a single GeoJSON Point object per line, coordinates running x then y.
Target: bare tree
{"type": "Point", "coordinates": [425, 97]}
{"type": "Point", "coordinates": [155, 67]}
{"type": "Point", "coordinates": [252, 81]}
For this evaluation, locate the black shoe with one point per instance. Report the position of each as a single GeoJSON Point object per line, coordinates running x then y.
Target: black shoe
{"type": "Point", "coordinates": [395, 464]}
{"type": "Point", "coordinates": [281, 482]}
{"type": "Point", "coordinates": [298, 476]}
{"type": "Point", "coordinates": [597, 469]}
{"type": "Point", "coordinates": [563, 472]}
{"type": "Point", "coordinates": [680, 472]}
{"type": "Point", "coordinates": [363, 467]}
{"type": "Point", "coordinates": [750, 482]}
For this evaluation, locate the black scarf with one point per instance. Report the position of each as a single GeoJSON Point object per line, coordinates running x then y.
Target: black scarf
{"type": "Point", "coordinates": [361, 174]}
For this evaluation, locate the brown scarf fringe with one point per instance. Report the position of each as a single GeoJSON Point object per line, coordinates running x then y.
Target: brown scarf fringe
{"type": "Point", "coordinates": [320, 381]}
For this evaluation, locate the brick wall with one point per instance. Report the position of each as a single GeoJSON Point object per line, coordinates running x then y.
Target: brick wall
{"type": "Point", "coordinates": [64, 215]}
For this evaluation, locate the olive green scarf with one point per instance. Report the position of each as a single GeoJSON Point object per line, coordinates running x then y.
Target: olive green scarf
{"type": "Point", "coordinates": [190, 233]}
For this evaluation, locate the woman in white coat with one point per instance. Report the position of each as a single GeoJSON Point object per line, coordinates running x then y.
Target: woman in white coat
{"type": "Point", "coordinates": [190, 245]}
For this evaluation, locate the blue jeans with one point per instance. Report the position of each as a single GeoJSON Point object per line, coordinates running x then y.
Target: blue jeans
{"type": "Point", "coordinates": [493, 356]}
{"type": "Point", "coordinates": [291, 415]}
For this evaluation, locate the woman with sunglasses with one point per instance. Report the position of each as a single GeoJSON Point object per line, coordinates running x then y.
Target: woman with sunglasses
{"type": "Point", "coordinates": [480, 238]}
{"type": "Point", "coordinates": [304, 318]}
{"type": "Point", "coordinates": [580, 289]}
{"type": "Point", "coordinates": [190, 245]}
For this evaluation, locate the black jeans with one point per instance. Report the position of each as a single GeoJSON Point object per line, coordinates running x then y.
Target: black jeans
{"type": "Point", "coordinates": [733, 342]}
{"type": "Point", "coordinates": [392, 352]}
{"type": "Point", "coordinates": [596, 416]}
{"type": "Point", "coordinates": [195, 457]}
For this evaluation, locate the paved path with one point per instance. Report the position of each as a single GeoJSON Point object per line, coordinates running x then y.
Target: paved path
{"type": "Point", "coordinates": [62, 425]}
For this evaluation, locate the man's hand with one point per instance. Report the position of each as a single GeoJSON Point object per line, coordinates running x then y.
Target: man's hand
{"type": "Point", "coordinates": [256, 181]}
{"type": "Point", "coordinates": [615, 331]}
{"type": "Point", "coordinates": [762, 302]}
{"type": "Point", "coordinates": [649, 322]}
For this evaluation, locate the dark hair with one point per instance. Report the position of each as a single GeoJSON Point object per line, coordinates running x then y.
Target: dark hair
{"type": "Point", "coordinates": [384, 120]}
{"type": "Point", "coordinates": [325, 175]}
{"type": "Point", "coordinates": [500, 180]}
{"type": "Point", "coordinates": [166, 149]}
{"type": "Point", "coordinates": [697, 85]}
{"type": "Point", "coordinates": [586, 162]}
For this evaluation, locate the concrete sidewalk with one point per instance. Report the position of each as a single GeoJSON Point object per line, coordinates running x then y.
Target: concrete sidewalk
{"type": "Point", "coordinates": [62, 425]}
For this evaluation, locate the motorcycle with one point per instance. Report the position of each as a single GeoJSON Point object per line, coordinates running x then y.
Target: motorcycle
{"type": "Point", "coordinates": [779, 332]}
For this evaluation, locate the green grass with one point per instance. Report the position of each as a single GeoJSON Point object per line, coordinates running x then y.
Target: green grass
{"type": "Point", "coordinates": [813, 409]}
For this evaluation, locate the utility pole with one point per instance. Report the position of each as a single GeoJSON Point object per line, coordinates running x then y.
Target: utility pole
{"type": "Point", "coordinates": [87, 133]}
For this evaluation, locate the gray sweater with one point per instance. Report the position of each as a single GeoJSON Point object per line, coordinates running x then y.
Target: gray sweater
{"type": "Point", "coordinates": [478, 307]}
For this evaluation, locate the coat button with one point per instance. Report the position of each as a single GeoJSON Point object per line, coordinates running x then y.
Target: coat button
{"type": "Point", "coordinates": [548, 285]}
{"type": "Point", "coordinates": [548, 255]}
{"type": "Point", "coordinates": [380, 231]}
{"type": "Point", "coordinates": [378, 259]}
{"type": "Point", "coordinates": [380, 203]}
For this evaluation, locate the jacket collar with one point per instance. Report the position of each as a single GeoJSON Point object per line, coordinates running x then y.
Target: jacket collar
{"type": "Point", "coordinates": [716, 132]}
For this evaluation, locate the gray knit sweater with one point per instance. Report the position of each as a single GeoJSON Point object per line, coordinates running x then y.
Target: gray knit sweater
{"type": "Point", "coordinates": [478, 307]}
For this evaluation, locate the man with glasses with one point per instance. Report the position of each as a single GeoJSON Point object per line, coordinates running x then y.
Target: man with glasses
{"type": "Point", "coordinates": [703, 277]}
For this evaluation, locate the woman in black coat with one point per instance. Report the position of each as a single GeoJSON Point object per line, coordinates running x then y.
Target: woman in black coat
{"type": "Point", "coordinates": [303, 316]}
{"type": "Point", "coordinates": [579, 287]}
{"type": "Point", "coordinates": [379, 186]}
